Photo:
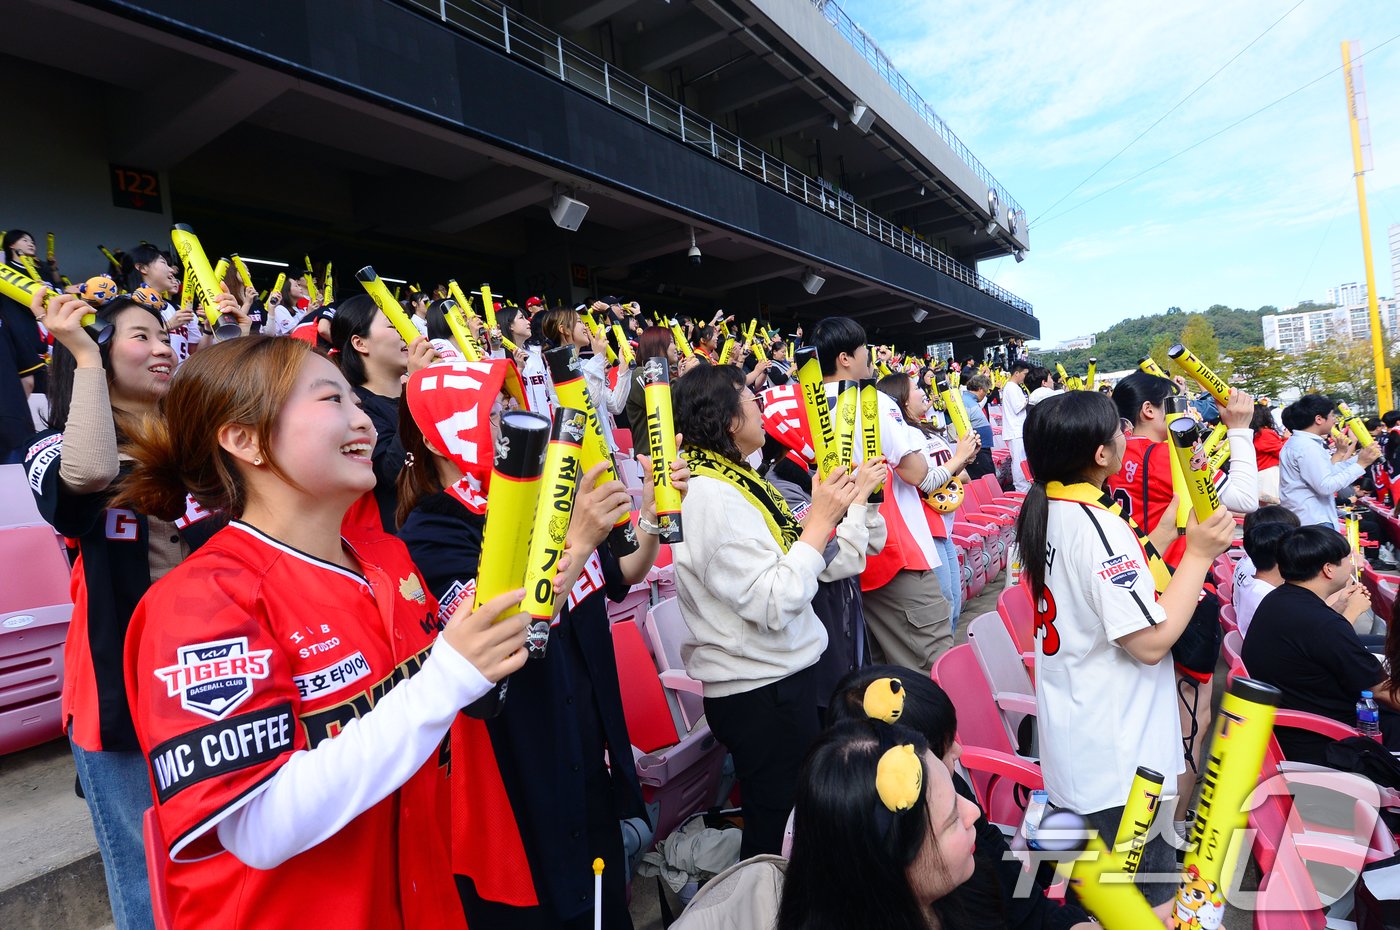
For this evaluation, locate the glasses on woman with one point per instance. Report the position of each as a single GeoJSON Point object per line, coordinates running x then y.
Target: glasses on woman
{"type": "Point", "coordinates": [750, 395]}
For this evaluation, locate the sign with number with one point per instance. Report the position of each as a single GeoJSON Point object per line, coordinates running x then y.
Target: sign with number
{"type": "Point", "coordinates": [135, 189]}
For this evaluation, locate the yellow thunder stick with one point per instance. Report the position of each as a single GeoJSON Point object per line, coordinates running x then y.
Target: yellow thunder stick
{"type": "Point", "coordinates": [624, 347]}
{"type": "Point", "coordinates": [1217, 434]}
{"type": "Point", "coordinates": [242, 269]}
{"type": "Point", "coordinates": [1198, 370]}
{"type": "Point", "coordinates": [957, 412]}
{"type": "Point", "coordinates": [280, 283]}
{"type": "Point", "coordinates": [20, 288]}
{"type": "Point", "coordinates": [1136, 824]}
{"type": "Point", "coordinates": [460, 332]}
{"type": "Point", "coordinates": [51, 253]}
{"type": "Point", "coordinates": [728, 350]}
{"type": "Point", "coordinates": [553, 514]}
{"type": "Point", "coordinates": [310, 280]}
{"type": "Point", "coordinates": [1064, 376]}
{"type": "Point", "coordinates": [870, 429]}
{"type": "Point", "coordinates": [1176, 407]}
{"type": "Point", "coordinates": [1354, 426]}
{"type": "Point", "coordinates": [809, 375]}
{"type": "Point", "coordinates": [1184, 435]}
{"type": "Point", "coordinates": [463, 303]}
{"type": "Point", "coordinates": [682, 343]}
{"type": "Point", "coordinates": [1219, 457]}
{"type": "Point", "coordinates": [388, 305]}
{"type": "Point", "coordinates": [1149, 364]}
{"type": "Point", "coordinates": [326, 289]}
{"type": "Point", "coordinates": [846, 417]}
{"type": "Point", "coordinates": [197, 270]}
{"type": "Point", "coordinates": [569, 387]}
{"type": "Point", "coordinates": [110, 257]}
{"type": "Point", "coordinates": [1353, 526]}
{"type": "Point", "coordinates": [505, 540]}
{"type": "Point", "coordinates": [488, 306]}
{"type": "Point", "coordinates": [1237, 747]}
{"type": "Point", "coordinates": [1104, 891]}
{"type": "Point", "coordinates": [661, 435]}
{"type": "Point", "coordinates": [1090, 378]}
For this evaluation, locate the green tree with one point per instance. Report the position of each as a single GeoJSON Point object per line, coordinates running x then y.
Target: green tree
{"type": "Point", "coordinates": [1198, 335]}
{"type": "Point", "coordinates": [1260, 371]}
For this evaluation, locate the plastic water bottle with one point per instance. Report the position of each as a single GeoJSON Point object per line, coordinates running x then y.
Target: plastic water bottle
{"type": "Point", "coordinates": [1368, 716]}
{"type": "Point", "coordinates": [1035, 811]}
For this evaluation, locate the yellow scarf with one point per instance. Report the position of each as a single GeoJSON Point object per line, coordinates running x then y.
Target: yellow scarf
{"type": "Point", "coordinates": [1085, 493]}
{"type": "Point", "coordinates": [762, 495]}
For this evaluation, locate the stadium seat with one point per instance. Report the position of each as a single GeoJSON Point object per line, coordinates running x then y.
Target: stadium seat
{"type": "Point", "coordinates": [666, 630]}
{"type": "Point", "coordinates": [1016, 612]}
{"type": "Point", "coordinates": [16, 502]}
{"type": "Point", "coordinates": [1232, 644]}
{"type": "Point", "coordinates": [972, 551]}
{"type": "Point", "coordinates": [679, 774]}
{"type": "Point", "coordinates": [1227, 618]}
{"type": "Point", "coordinates": [632, 607]}
{"type": "Point", "coordinates": [982, 731]}
{"type": "Point", "coordinates": [35, 608]}
{"type": "Point", "coordinates": [1001, 664]}
{"type": "Point", "coordinates": [156, 859]}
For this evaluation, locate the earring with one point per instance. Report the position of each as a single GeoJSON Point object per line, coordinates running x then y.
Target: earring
{"type": "Point", "coordinates": [257, 460]}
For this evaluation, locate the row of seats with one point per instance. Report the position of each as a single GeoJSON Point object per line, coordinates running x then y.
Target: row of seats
{"type": "Point", "coordinates": [35, 608]}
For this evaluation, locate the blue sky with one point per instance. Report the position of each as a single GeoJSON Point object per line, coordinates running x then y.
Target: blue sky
{"type": "Point", "coordinates": [1044, 92]}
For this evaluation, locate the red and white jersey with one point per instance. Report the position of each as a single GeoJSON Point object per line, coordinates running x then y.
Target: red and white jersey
{"type": "Point", "coordinates": [248, 652]}
{"type": "Point", "coordinates": [1102, 713]}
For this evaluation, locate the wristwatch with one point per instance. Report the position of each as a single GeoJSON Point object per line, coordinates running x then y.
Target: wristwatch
{"type": "Point", "coordinates": [646, 526]}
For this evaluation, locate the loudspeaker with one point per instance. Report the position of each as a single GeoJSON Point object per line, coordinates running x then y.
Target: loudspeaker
{"type": "Point", "coordinates": [812, 282]}
{"type": "Point", "coordinates": [862, 116]}
{"type": "Point", "coordinates": [568, 213]}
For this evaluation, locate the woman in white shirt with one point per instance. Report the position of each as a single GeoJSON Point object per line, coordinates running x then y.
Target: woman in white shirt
{"type": "Point", "coordinates": [746, 575]}
{"type": "Point", "coordinates": [1105, 689]}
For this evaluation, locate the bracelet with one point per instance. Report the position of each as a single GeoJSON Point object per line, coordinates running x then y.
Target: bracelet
{"type": "Point", "coordinates": [646, 526]}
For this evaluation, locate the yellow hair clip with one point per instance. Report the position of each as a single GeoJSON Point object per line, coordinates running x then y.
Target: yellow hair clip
{"type": "Point", "coordinates": [884, 700]}
{"type": "Point", "coordinates": [899, 777]}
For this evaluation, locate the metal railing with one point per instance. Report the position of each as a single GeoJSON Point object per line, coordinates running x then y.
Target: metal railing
{"type": "Point", "coordinates": [861, 41]}
{"type": "Point", "coordinates": [523, 38]}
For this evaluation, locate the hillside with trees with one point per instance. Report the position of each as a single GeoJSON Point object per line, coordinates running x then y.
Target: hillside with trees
{"type": "Point", "coordinates": [1230, 341]}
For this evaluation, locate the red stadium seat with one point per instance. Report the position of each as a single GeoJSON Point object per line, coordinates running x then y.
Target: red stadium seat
{"type": "Point", "coordinates": [1017, 613]}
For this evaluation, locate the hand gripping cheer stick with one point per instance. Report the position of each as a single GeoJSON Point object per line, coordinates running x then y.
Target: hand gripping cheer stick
{"type": "Point", "coordinates": [569, 386]}
{"type": "Point", "coordinates": [1184, 434]}
{"type": "Point", "coordinates": [554, 513]}
{"type": "Point", "coordinates": [206, 282]}
{"type": "Point", "coordinates": [21, 288]}
{"type": "Point", "coordinates": [505, 541]}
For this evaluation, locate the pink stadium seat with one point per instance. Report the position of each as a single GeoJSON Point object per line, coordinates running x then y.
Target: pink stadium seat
{"type": "Point", "coordinates": [1016, 612]}
{"type": "Point", "coordinates": [972, 554]}
{"type": "Point", "coordinates": [35, 608]}
{"type": "Point", "coordinates": [679, 774]}
{"type": "Point", "coordinates": [983, 733]}
{"type": "Point", "coordinates": [1012, 688]}
{"type": "Point", "coordinates": [16, 502]}
{"type": "Point", "coordinates": [666, 630]}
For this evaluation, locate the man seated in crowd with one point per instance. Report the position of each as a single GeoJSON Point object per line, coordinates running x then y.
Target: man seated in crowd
{"type": "Point", "coordinates": [1309, 651]}
{"type": "Point", "coordinates": [1263, 530]}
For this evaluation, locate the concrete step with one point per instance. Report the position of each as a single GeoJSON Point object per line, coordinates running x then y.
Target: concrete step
{"type": "Point", "coordinates": [50, 874]}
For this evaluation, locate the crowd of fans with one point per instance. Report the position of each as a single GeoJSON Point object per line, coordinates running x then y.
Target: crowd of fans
{"type": "Point", "coordinates": [277, 534]}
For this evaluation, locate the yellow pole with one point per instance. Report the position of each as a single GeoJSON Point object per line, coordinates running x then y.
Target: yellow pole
{"type": "Point", "coordinates": [1383, 395]}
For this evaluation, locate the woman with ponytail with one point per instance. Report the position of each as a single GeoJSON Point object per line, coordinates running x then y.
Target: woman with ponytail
{"type": "Point", "coordinates": [1105, 690]}
{"type": "Point", "coordinates": [288, 682]}
{"type": "Point", "coordinates": [99, 395]}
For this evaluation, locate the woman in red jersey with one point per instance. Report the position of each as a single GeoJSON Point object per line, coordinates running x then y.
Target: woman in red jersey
{"type": "Point", "coordinates": [288, 684]}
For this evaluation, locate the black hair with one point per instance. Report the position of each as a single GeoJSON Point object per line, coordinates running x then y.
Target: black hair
{"type": "Point", "coordinates": [850, 853]}
{"type": "Point", "coordinates": [353, 318]}
{"type": "Point", "coordinates": [1304, 551]}
{"type": "Point", "coordinates": [1390, 418]}
{"type": "Point", "coordinates": [927, 707]}
{"type": "Point", "coordinates": [1139, 388]}
{"type": "Point", "coordinates": [706, 403]}
{"type": "Point", "coordinates": [1271, 513]}
{"type": "Point", "coordinates": [1020, 364]}
{"type": "Point", "coordinates": [1371, 423]}
{"type": "Point", "coordinates": [142, 254]}
{"type": "Point", "coordinates": [834, 335]}
{"type": "Point", "coordinates": [1062, 435]}
{"type": "Point", "coordinates": [64, 364]}
{"type": "Point", "coordinates": [1303, 412]}
{"type": "Point", "coordinates": [10, 238]}
{"type": "Point", "coordinates": [705, 334]}
{"type": "Point", "coordinates": [1263, 418]}
{"type": "Point", "coordinates": [1261, 544]}
{"type": "Point", "coordinates": [505, 318]}
{"type": "Point", "coordinates": [437, 321]}
{"type": "Point", "coordinates": [1037, 376]}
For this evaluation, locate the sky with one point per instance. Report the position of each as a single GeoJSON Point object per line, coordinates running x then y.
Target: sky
{"type": "Point", "coordinates": [1044, 92]}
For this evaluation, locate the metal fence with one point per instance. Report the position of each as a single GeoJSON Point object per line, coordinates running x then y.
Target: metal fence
{"type": "Point", "coordinates": [861, 41]}
{"type": "Point", "coordinates": [523, 38]}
